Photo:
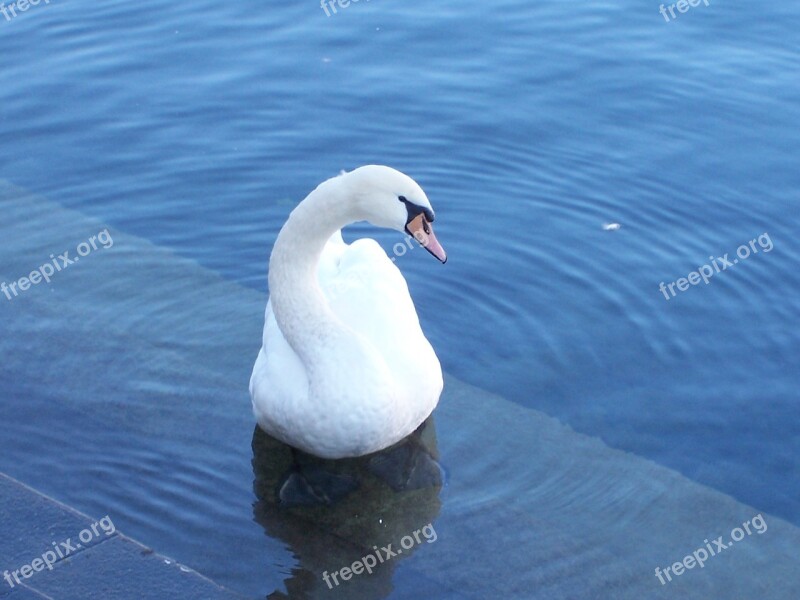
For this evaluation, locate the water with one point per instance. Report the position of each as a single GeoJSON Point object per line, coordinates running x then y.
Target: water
{"type": "Point", "coordinates": [194, 129]}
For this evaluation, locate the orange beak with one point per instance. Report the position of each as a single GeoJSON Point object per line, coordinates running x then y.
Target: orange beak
{"type": "Point", "coordinates": [421, 230]}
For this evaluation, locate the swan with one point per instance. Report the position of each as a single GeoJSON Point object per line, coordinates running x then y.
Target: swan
{"type": "Point", "coordinates": [345, 369]}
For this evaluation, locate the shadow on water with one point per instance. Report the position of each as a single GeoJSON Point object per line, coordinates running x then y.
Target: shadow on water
{"type": "Point", "coordinates": [332, 513]}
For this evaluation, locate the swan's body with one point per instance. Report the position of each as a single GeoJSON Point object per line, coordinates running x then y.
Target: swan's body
{"type": "Point", "coordinates": [345, 369]}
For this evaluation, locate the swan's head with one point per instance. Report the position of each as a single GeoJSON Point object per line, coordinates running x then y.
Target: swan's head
{"type": "Point", "coordinates": [388, 198]}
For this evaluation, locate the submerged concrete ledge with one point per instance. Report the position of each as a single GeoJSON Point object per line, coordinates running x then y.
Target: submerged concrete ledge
{"type": "Point", "coordinates": [531, 508]}
{"type": "Point", "coordinates": [110, 565]}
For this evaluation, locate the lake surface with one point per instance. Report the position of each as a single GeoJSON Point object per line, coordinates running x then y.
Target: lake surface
{"type": "Point", "coordinates": [191, 130]}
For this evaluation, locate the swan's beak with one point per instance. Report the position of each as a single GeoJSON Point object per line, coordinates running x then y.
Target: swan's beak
{"type": "Point", "coordinates": [421, 230]}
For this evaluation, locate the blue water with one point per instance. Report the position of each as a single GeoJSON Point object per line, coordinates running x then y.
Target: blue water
{"type": "Point", "coordinates": [198, 126]}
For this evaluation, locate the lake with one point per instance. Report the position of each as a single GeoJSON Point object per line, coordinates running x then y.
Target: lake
{"type": "Point", "coordinates": [617, 193]}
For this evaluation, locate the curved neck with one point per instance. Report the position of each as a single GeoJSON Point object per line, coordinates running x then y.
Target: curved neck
{"type": "Point", "coordinates": [302, 313]}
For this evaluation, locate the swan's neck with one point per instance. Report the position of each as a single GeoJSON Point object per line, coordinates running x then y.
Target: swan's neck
{"type": "Point", "coordinates": [302, 313]}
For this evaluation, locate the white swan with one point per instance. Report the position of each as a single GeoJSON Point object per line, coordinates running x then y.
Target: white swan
{"type": "Point", "coordinates": [345, 369]}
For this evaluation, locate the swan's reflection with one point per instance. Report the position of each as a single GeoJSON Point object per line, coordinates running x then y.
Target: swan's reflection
{"type": "Point", "coordinates": [332, 513]}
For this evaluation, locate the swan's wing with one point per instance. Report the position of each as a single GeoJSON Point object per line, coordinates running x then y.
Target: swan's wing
{"type": "Point", "coordinates": [369, 294]}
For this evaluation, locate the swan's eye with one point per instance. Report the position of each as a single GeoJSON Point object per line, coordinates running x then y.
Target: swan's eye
{"type": "Point", "coordinates": [414, 210]}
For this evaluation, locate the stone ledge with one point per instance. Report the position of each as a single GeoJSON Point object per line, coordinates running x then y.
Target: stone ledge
{"type": "Point", "coordinates": [112, 567]}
